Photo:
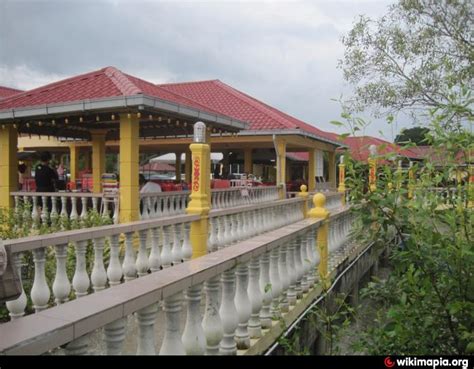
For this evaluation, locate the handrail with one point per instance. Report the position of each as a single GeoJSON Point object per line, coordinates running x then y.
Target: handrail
{"type": "Point", "coordinates": [60, 238]}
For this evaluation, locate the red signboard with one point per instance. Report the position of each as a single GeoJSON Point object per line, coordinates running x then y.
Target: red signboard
{"type": "Point", "coordinates": [196, 173]}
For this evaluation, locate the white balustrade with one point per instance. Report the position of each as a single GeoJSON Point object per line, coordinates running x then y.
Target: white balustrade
{"type": "Point", "coordinates": [241, 297]}
{"type": "Point", "coordinates": [48, 207]}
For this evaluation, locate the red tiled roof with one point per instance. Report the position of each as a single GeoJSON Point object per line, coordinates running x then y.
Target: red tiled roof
{"type": "Point", "coordinates": [103, 83]}
{"type": "Point", "coordinates": [231, 102]}
{"type": "Point", "coordinates": [359, 147]}
{"type": "Point", "coordinates": [8, 91]}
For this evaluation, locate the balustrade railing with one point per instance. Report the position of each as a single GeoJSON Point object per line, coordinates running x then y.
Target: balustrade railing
{"type": "Point", "coordinates": [237, 196]}
{"type": "Point", "coordinates": [75, 263]}
{"type": "Point", "coordinates": [228, 226]}
{"type": "Point", "coordinates": [155, 205]}
{"type": "Point", "coordinates": [49, 207]}
{"type": "Point", "coordinates": [162, 204]}
{"type": "Point", "coordinates": [447, 195]}
{"type": "Point", "coordinates": [246, 287]}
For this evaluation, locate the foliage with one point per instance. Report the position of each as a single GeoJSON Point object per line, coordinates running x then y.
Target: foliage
{"type": "Point", "coordinates": [427, 303]}
{"type": "Point", "coordinates": [414, 57]}
{"type": "Point", "coordinates": [417, 135]}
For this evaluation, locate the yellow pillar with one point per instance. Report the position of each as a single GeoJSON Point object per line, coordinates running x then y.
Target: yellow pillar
{"type": "Point", "coordinates": [200, 196]}
{"type": "Point", "coordinates": [73, 162]}
{"type": "Point", "coordinates": [372, 174]}
{"type": "Point", "coordinates": [304, 194]}
{"type": "Point", "coordinates": [311, 170]}
{"type": "Point", "coordinates": [129, 150]}
{"type": "Point", "coordinates": [188, 166]}
{"type": "Point", "coordinates": [8, 165]}
{"type": "Point", "coordinates": [319, 211]}
{"type": "Point", "coordinates": [470, 189]}
{"type": "Point", "coordinates": [248, 165]}
{"type": "Point", "coordinates": [398, 175]}
{"type": "Point", "coordinates": [177, 168]}
{"type": "Point", "coordinates": [98, 159]}
{"type": "Point", "coordinates": [411, 180]}
{"type": "Point", "coordinates": [342, 180]}
{"type": "Point", "coordinates": [280, 146]}
{"type": "Point", "coordinates": [332, 169]}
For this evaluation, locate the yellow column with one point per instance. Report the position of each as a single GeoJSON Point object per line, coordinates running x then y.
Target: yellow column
{"type": "Point", "coordinates": [8, 165]}
{"type": "Point", "coordinates": [311, 170]}
{"type": "Point", "coordinates": [73, 162]}
{"type": "Point", "coordinates": [129, 150]}
{"type": "Point", "coordinates": [319, 211]}
{"type": "Point", "coordinates": [98, 159]}
{"type": "Point", "coordinates": [177, 168]}
{"type": "Point", "coordinates": [248, 166]}
{"type": "Point", "coordinates": [470, 189]}
{"type": "Point", "coordinates": [411, 180]}
{"type": "Point", "coordinates": [398, 175]}
{"type": "Point", "coordinates": [332, 168]}
{"type": "Point", "coordinates": [200, 196]}
{"type": "Point", "coordinates": [188, 166]}
{"type": "Point", "coordinates": [304, 194]}
{"type": "Point", "coordinates": [372, 174]}
{"type": "Point", "coordinates": [280, 146]}
{"type": "Point", "coordinates": [342, 180]}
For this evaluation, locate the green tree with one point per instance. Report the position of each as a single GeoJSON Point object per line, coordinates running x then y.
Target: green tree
{"type": "Point", "coordinates": [413, 58]}
{"type": "Point", "coordinates": [417, 135]}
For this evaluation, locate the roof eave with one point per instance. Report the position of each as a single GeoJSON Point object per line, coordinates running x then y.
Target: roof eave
{"type": "Point", "coordinates": [299, 132]}
{"type": "Point", "coordinates": [119, 102]}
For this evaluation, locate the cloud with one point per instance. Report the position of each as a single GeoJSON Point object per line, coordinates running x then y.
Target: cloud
{"type": "Point", "coordinates": [281, 52]}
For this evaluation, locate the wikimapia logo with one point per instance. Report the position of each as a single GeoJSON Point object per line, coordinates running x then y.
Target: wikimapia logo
{"type": "Point", "coordinates": [427, 363]}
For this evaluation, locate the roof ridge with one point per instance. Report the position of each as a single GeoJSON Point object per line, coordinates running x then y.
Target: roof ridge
{"type": "Point", "coordinates": [122, 82]}
{"type": "Point", "coordinates": [163, 85]}
{"type": "Point", "coordinates": [50, 86]}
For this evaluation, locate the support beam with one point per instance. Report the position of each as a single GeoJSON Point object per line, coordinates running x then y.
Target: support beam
{"type": "Point", "coordinates": [178, 167]}
{"type": "Point", "coordinates": [129, 150]}
{"type": "Point", "coordinates": [188, 166]}
{"type": "Point", "coordinates": [332, 169]}
{"type": "Point", "coordinates": [311, 170]}
{"type": "Point", "coordinates": [98, 159]}
{"type": "Point", "coordinates": [8, 166]}
{"type": "Point", "coordinates": [248, 165]}
{"type": "Point", "coordinates": [73, 162]}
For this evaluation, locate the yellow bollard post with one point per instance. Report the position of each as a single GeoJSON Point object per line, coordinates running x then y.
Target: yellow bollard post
{"type": "Point", "coordinates": [342, 180]}
{"type": "Point", "coordinates": [411, 180]}
{"type": "Point", "coordinates": [304, 194]}
{"type": "Point", "coordinates": [200, 190]}
{"type": "Point", "coordinates": [373, 168]}
{"type": "Point", "coordinates": [311, 170]}
{"type": "Point", "coordinates": [470, 188]}
{"type": "Point", "coordinates": [319, 211]}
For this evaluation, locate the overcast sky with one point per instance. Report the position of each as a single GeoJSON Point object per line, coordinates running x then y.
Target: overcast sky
{"type": "Point", "coordinates": [284, 53]}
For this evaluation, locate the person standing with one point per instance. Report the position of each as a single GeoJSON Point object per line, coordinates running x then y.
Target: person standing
{"type": "Point", "coordinates": [45, 176]}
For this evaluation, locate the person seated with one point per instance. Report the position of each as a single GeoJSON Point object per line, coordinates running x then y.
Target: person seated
{"type": "Point", "coordinates": [148, 186]}
{"type": "Point", "coordinates": [45, 176]}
